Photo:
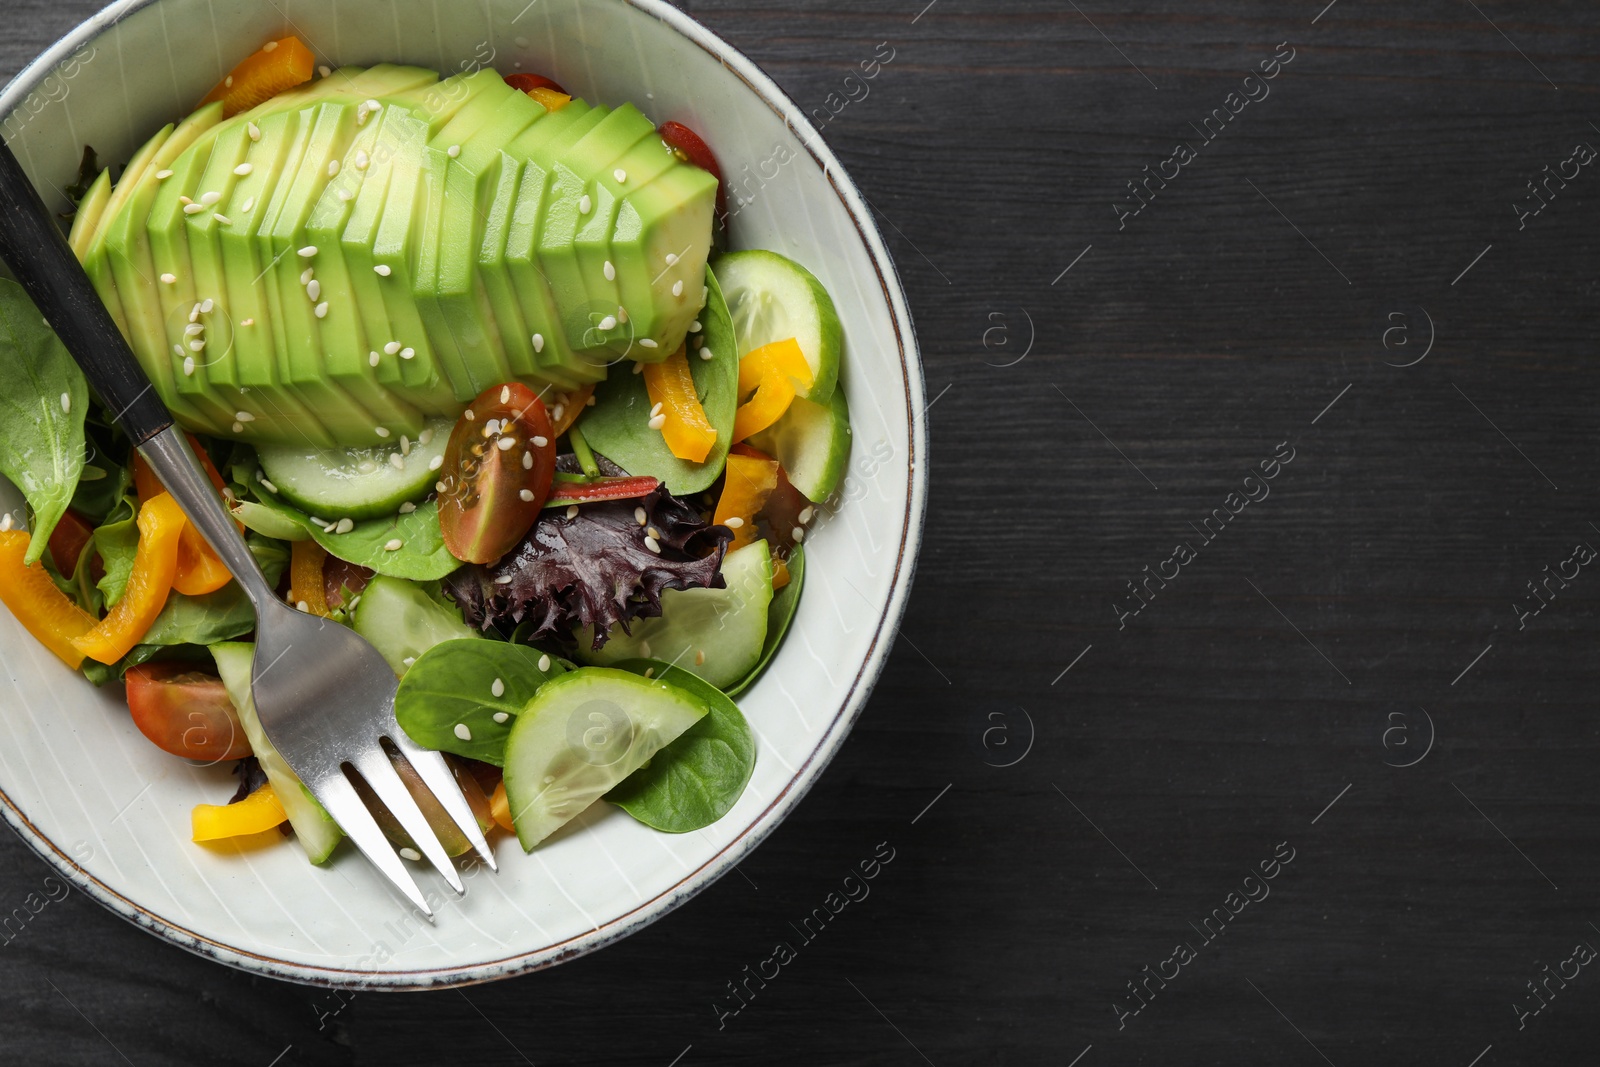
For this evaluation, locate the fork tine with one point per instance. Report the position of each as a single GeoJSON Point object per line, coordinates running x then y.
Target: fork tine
{"type": "Point", "coordinates": [432, 769]}
{"type": "Point", "coordinates": [385, 781]}
{"type": "Point", "coordinates": [335, 793]}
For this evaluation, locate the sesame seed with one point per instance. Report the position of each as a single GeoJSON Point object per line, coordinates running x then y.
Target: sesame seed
{"type": "Point", "coordinates": [608, 323]}
{"type": "Point", "coordinates": [806, 514]}
{"type": "Point", "coordinates": [314, 290]}
{"type": "Point", "coordinates": [169, 278]}
{"type": "Point", "coordinates": [620, 174]}
{"type": "Point", "coordinates": [699, 657]}
{"type": "Point", "coordinates": [248, 206]}
{"type": "Point", "coordinates": [734, 523]}
{"type": "Point", "coordinates": [302, 605]}
{"type": "Point", "coordinates": [506, 444]}
{"type": "Point", "coordinates": [501, 716]}
{"type": "Point", "coordinates": [197, 346]}
{"type": "Point", "coordinates": [381, 431]}
{"type": "Point", "coordinates": [322, 310]}
{"type": "Point", "coordinates": [188, 366]}
{"type": "Point", "coordinates": [505, 394]}
{"type": "Point", "coordinates": [706, 353]}
{"type": "Point", "coordinates": [611, 272]}
{"type": "Point", "coordinates": [268, 486]}
{"type": "Point", "coordinates": [572, 512]}
{"type": "Point", "coordinates": [644, 647]}
{"type": "Point", "coordinates": [653, 532]}
{"type": "Point", "coordinates": [308, 251]}
{"type": "Point", "coordinates": [491, 427]}
{"type": "Point", "coordinates": [657, 422]}
{"type": "Point", "coordinates": [163, 175]}
{"type": "Point", "coordinates": [66, 403]}
{"type": "Point", "coordinates": [248, 322]}
{"type": "Point", "coordinates": [243, 169]}
{"type": "Point", "coordinates": [407, 353]}
{"type": "Point", "coordinates": [585, 205]}
{"type": "Point", "coordinates": [346, 195]}
{"type": "Point", "coordinates": [227, 83]}
{"type": "Point", "coordinates": [409, 660]}
{"type": "Point", "coordinates": [677, 287]}
{"type": "Point", "coordinates": [269, 46]}
{"type": "Point", "coordinates": [426, 436]}
{"type": "Point", "coordinates": [653, 545]}
{"type": "Point", "coordinates": [253, 130]}
{"type": "Point", "coordinates": [645, 342]}
{"type": "Point", "coordinates": [504, 579]}
{"type": "Point", "coordinates": [527, 461]}
{"type": "Point", "coordinates": [222, 218]}
{"type": "Point", "coordinates": [798, 534]}
{"type": "Point", "coordinates": [438, 487]}
{"type": "Point", "coordinates": [640, 517]}
{"type": "Point", "coordinates": [544, 663]}
{"type": "Point", "coordinates": [307, 274]}
{"type": "Point", "coordinates": [656, 410]}
{"type": "Point", "coordinates": [373, 358]}
{"type": "Point", "coordinates": [498, 688]}
{"type": "Point", "coordinates": [538, 342]}
{"type": "Point", "coordinates": [407, 508]}
{"type": "Point", "coordinates": [622, 313]}
{"type": "Point", "coordinates": [540, 442]}
{"type": "Point", "coordinates": [397, 461]}
{"type": "Point", "coordinates": [695, 327]}
{"type": "Point", "coordinates": [454, 151]}
{"type": "Point", "coordinates": [463, 732]}
{"type": "Point", "coordinates": [344, 526]}
{"type": "Point", "coordinates": [393, 545]}
{"type": "Point", "coordinates": [373, 105]}
{"type": "Point", "coordinates": [324, 71]}
{"type": "Point", "coordinates": [185, 200]}
{"type": "Point", "coordinates": [244, 416]}
{"type": "Point", "coordinates": [333, 167]}
{"type": "Point", "coordinates": [405, 445]}
{"type": "Point", "coordinates": [7, 522]}
{"type": "Point", "coordinates": [382, 270]}
{"type": "Point", "coordinates": [362, 160]}
{"type": "Point", "coordinates": [409, 853]}
{"type": "Point", "coordinates": [526, 495]}
{"type": "Point", "coordinates": [435, 463]}
{"type": "Point", "coordinates": [211, 198]}
{"type": "Point", "coordinates": [193, 209]}
{"type": "Point", "coordinates": [556, 413]}
{"type": "Point", "coordinates": [207, 305]}
{"type": "Point", "coordinates": [672, 259]}
{"type": "Point", "coordinates": [320, 522]}
{"type": "Point", "coordinates": [238, 427]}
{"type": "Point", "coordinates": [392, 347]}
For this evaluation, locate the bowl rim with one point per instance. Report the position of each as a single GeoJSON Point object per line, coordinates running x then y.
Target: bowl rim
{"type": "Point", "coordinates": [805, 775]}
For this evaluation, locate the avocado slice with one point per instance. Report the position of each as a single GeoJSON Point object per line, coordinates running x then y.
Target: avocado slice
{"type": "Point", "coordinates": [670, 216]}
{"type": "Point", "coordinates": [87, 218]}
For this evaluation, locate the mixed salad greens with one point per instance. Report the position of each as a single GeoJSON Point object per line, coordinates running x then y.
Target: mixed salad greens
{"type": "Point", "coordinates": [464, 361]}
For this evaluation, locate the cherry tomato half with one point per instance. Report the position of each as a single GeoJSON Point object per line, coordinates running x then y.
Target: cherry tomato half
{"type": "Point", "coordinates": [67, 541]}
{"type": "Point", "coordinates": [185, 712]}
{"type": "Point", "coordinates": [496, 474]}
{"type": "Point", "coordinates": [693, 148]}
{"type": "Point", "coordinates": [527, 83]}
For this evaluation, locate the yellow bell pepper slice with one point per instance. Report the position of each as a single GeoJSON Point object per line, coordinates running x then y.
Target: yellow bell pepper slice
{"type": "Point", "coordinates": [306, 560]}
{"type": "Point", "coordinates": [44, 611]}
{"type": "Point", "coordinates": [770, 375]}
{"type": "Point", "coordinates": [750, 478]}
{"type": "Point", "coordinates": [155, 564]}
{"type": "Point", "coordinates": [688, 433]}
{"type": "Point", "coordinates": [259, 811]}
{"type": "Point", "coordinates": [279, 66]}
{"type": "Point", "coordinates": [200, 569]}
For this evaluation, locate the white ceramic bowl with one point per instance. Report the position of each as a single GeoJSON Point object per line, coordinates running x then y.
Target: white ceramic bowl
{"type": "Point", "coordinates": [108, 809]}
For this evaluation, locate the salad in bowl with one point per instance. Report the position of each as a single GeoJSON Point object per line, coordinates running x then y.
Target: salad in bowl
{"type": "Point", "coordinates": [467, 363]}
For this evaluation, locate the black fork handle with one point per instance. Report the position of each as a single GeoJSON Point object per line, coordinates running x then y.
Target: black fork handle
{"type": "Point", "coordinates": [38, 254]}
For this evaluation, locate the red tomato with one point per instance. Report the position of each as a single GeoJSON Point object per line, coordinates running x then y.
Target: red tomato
{"type": "Point", "coordinates": [604, 489]}
{"type": "Point", "coordinates": [692, 147]}
{"type": "Point", "coordinates": [185, 712]}
{"type": "Point", "coordinates": [67, 541]}
{"type": "Point", "coordinates": [526, 83]}
{"type": "Point", "coordinates": [496, 474]}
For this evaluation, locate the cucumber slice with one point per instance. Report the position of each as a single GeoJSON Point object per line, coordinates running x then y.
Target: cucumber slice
{"type": "Point", "coordinates": [356, 483]}
{"type": "Point", "coordinates": [314, 828]}
{"type": "Point", "coordinates": [773, 298]}
{"type": "Point", "coordinates": [403, 619]}
{"type": "Point", "coordinates": [582, 734]}
{"type": "Point", "coordinates": [785, 602]}
{"type": "Point", "coordinates": [715, 633]}
{"type": "Point", "coordinates": [812, 441]}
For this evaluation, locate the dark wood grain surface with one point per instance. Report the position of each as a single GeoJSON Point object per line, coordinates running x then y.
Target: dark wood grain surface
{"type": "Point", "coordinates": [1365, 611]}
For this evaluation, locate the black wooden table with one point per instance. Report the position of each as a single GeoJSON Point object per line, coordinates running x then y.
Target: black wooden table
{"type": "Point", "coordinates": [1245, 710]}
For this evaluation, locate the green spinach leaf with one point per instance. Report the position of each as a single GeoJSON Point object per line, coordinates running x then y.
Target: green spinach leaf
{"type": "Point", "coordinates": [42, 408]}
{"type": "Point", "coordinates": [117, 542]}
{"type": "Point", "coordinates": [453, 684]}
{"type": "Point", "coordinates": [694, 781]}
{"type": "Point", "coordinates": [618, 424]}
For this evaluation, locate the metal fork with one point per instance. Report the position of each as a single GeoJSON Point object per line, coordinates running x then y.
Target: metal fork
{"type": "Point", "coordinates": [324, 695]}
